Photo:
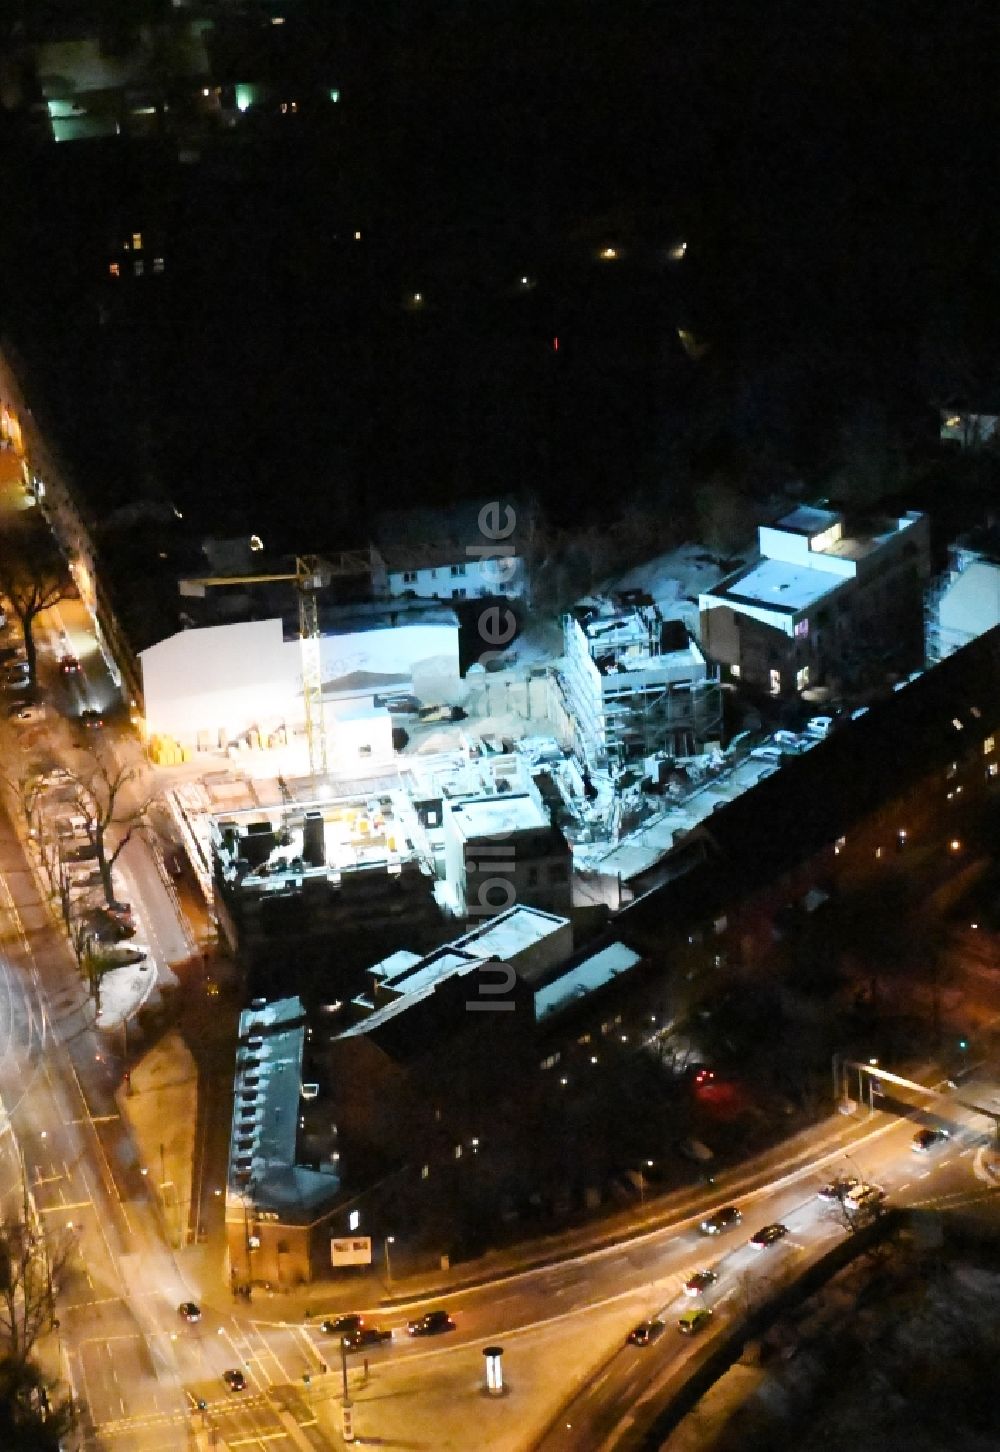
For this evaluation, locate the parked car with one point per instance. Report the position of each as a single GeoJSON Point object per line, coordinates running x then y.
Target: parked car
{"type": "Point", "coordinates": [348, 1325]}
{"type": "Point", "coordinates": [865, 1197]}
{"type": "Point", "coordinates": [26, 715]}
{"type": "Point", "coordinates": [367, 1336]}
{"type": "Point", "coordinates": [441, 713]}
{"type": "Point", "coordinates": [694, 1321]}
{"type": "Point", "coordinates": [925, 1139]}
{"type": "Point", "coordinates": [726, 1219]}
{"type": "Point", "coordinates": [839, 1189]}
{"type": "Point", "coordinates": [188, 1311]}
{"type": "Point", "coordinates": [235, 1380]}
{"type": "Point", "coordinates": [431, 1324]}
{"type": "Point", "coordinates": [645, 1333]}
{"type": "Point", "coordinates": [700, 1282]}
{"type": "Point", "coordinates": [694, 1149]}
{"type": "Point", "coordinates": [769, 1235]}
{"type": "Point", "coordinates": [398, 704]}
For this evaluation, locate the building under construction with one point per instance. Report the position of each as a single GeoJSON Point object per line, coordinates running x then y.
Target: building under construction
{"type": "Point", "coordinates": [636, 685]}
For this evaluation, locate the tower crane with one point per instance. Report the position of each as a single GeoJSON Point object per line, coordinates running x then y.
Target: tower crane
{"type": "Point", "coordinates": [312, 573]}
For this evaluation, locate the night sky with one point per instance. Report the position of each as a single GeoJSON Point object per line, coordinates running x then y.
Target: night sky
{"type": "Point", "coordinates": [831, 168]}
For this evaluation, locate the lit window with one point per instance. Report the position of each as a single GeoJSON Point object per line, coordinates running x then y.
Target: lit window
{"type": "Point", "coordinates": [584, 1039]}
{"type": "Point", "coordinates": [136, 241]}
{"type": "Point", "coordinates": [139, 267]}
{"type": "Point", "coordinates": [802, 678]}
{"type": "Point", "coordinates": [720, 924]}
{"type": "Point", "coordinates": [802, 628]}
{"type": "Point", "coordinates": [551, 1061]}
{"type": "Point", "coordinates": [958, 725]}
{"type": "Point", "coordinates": [839, 845]}
{"type": "Point", "coordinates": [458, 1152]}
{"type": "Point", "coordinates": [992, 769]}
{"type": "Point", "coordinates": [775, 683]}
{"type": "Point", "coordinates": [158, 264]}
{"type": "Point", "coordinates": [734, 672]}
{"type": "Point", "coordinates": [115, 269]}
{"type": "Point", "coordinates": [425, 1171]}
{"type": "Point", "coordinates": [989, 745]}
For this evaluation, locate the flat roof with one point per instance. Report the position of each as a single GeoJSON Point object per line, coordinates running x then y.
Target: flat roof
{"type": "Point", "coordinates": [776, 585]}
{"type": "Point", "coordinates": [511, 933]}
{"type": "Point", "coordinates": [493, 816]}
{"type": "Point", "coordinates": [592, 973]}
{"type": "Point", "coordinates": [808, 519]}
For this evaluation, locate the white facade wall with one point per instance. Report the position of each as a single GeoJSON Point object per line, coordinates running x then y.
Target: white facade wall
{"type": "Point", "coordinates": [220, 681]}
{"type": "Point", "coordinates": [395, 652]}
{"type": "Point", "coordinates": [360, 738]}
{"type": "Point", "coordinates": [465, 580]}
{"type": "Point", "coordinates": [211, 685]}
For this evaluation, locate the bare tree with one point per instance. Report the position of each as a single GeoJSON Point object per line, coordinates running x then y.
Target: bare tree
{"type": "Point", "coordinates": [32, 1263]}
{"type": "Point", "coordinates": [101, 787]}
{"type": "Point", "coordinates": [32, 579]}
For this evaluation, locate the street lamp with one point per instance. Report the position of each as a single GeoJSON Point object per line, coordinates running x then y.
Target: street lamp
{"type": "Point", "coordinates": [389, 1240]}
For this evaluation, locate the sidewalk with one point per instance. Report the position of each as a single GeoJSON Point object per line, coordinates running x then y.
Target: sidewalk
{"type": "Point", "coordinates": [805, 1148]}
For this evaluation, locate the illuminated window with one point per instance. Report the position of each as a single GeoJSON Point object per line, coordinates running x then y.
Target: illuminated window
{"type": "Point", "coordinates": [720, 924]}
{"type": "Point", "coordinates": [801, 628]}
{"type": "Point", "coordinates": [551, 1061]}
{"type": "Point", "coordinates": [802, 678]}
{"type": "Point", "coordinates": [136, 241]}
{"type": "Point", "coordinates": [775, 683]}
{"type": "Point", "coordinates": [458, 1152]}
{"type": "Point", "coordinates": [734, 671]}
{"type": "Point", "coordinates": [992, 769]}
{"type": "Point", "coordinates": [958, 725]}
{"type": "Point", "coordinates": [584, 1039]}
{"type": "Point", "coordinates": [425, 1171]}
{"type": "Point", "coordinates": [988, 745]}
{"type": "Point", "coordinates": [139, 267]}
{"type": "Point", "coordinates": [115, 269]}
{"type": "Point", "coordinates": [158, 264]}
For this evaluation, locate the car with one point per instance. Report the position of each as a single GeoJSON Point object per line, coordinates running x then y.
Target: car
{"type": "Point", "coordinates": [398, 705]}
{"type": "Point", "coordinates": [645, 1333]}
{"type": "Point", "coordinates": [431, 1324]}
{"type": "Point", "coordinates": [865, 1197]}
{"type": "Point", "coordinates": [725, 1219]}
{"type": "Point", "coordinates": [700, 1282]}
{"type": "Point", "coordinates": [93, 720]}
{"type": "Point", "coordinates": [925, 1139]}
{"type": "Point", "coordinates": [18, 682]}
{"type": "Point", "coordinates": [694, 1321]}
{"type": "Point", "coordinates": [768, 1235]}
{"type": "Point", "coordinates": [26, 715]}
{"type": "Point", "coordinates": [839, 1189]}
{"type": "Point", "coordinates": [820, 726]}
{"type": "Point", "coordinates": [69, 665]}
{"type": "Point", "coordinates": [441, 713]}
{"type": "Point", "coordinates": [188, 1311]}
{"type": "Point", "coordinates": [367, 1336]}
{"type": "Point", "coordinates": [348, 1325]}
{"type": "Point", "coordinates": [235, 1380]}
